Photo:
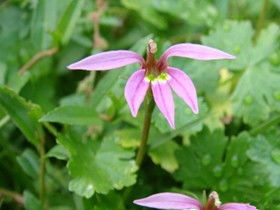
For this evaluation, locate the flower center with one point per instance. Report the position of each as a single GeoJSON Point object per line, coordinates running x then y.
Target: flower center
{"type": "Point", "coordinates": [213, 202]}
{"type": "Point", "coordinates": [162, 78]}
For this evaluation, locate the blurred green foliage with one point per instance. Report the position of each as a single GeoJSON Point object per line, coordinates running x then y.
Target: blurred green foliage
{"type": "Point", "coordinates": [67, 139]}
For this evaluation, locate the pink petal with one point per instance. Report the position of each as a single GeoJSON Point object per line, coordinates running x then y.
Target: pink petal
{"type": "Point", "coordinates": [107, 60]}
{"type": "Point", "coordinates": [237, 206]}
{"type": "Point", "coordinates": [194, 51]}
{"type": "Point", "coordinates": [183, 87]}
{"type": "Point", "coordinates": [169, 201]}
{"type": "Point", "coordinates": [135, 90]}
{"type": "Point", "coordinates": [164, 100]}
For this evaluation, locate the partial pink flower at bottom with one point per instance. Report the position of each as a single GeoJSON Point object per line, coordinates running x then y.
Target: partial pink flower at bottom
{"type": "Point", "coordinates": [157, 75]}
{"type": "Point", "coordinates": [178, 201]}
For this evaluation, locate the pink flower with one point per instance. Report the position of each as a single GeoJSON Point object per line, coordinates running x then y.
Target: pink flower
{"type": "Point", "coordinates": [157, 75]}
{"type": "Point", "coordinates": [183, 202]}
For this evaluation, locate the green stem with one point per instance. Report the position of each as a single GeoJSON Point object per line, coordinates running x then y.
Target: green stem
{"type": "Point", "coordinates": [262, 17]}
{"type": "Point", "coordinates": [149, 106]}
{"type": "Point", "coordinates": [42, 171]}
{"type": "Point", "coordinates": [51, 129]}
{"type": "Point", "coordinates": [265, 125]}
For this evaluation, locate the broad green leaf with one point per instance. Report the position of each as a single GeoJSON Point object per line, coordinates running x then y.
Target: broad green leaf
{"type": "Point", "coordinates": [73, 115]}
{"type": "Point", "coordinates": [199, 160]}
{"type": "Point", "coordinates": [24, 114]}
{"type": "Point", "coordinates": [164, 155]}
{"type": "Point", "coordinates": [195, 12]}
{"type": "Point", "coordinates": [235, 38]}
{"type": "Point", "coordinates": [257, 90]}
{"type": "Point", "coordinates": [128, 138]}
{"type": "Point", "coordinates": [265, 149]}
{"type": "Point", "coordinates": [31, 202]}
{"type": "Point", "coordinates": [58, 152]}
{"type": "Point", "coordinates": [257, 94]}
{"type": "Point", "coordinates": [241, 175]}
{"type": "Point", "coordinates": [204, 74]}
{"type": "Point", "coordinates": [267, 43]}
{"type": "Point", "coordinates": [29, 162]}
{"type": "Point", "coordinates": [212, 162]}
{"type": "Point", "coordinates": [97, 166]}
{"type": "Point", "coordinates": [67, 22]}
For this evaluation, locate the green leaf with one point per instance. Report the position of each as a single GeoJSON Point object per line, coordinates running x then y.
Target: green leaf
{"type": "Point", "coordinates": [73, 115]}
{"type": "Point", "coordinates": [16, 82]}
{"type": "Point", "coordinates": [183, 116]}
{"type": "Point", "coordinates": [10, 24]}
{"type": "Point", "coordinates": [234, 38]}
{"type": "Point", "coordinates": [257, 94]}
{"type": "Point", "coordinates": [29, 162]}
{"type": "Point", "coordinates": [3, 73]}
{"type": "Point", "coordinates": [265, 149]}
{"type": "Point", "coordinates": [196, 12]}
{"type": "Point", "coordinates": [67, 22]}
{"type": "Point", "coordinates": [257, 90]}
{"type": "Point", "coordinates": [24, 114]}
{"type": "Point", "coordinates": [266, 44]}
{"type": "Point", "coordinates": [128, 138]}
{"type": "Point", "coordinates": [74, 99]}
{"type": "Point", "coordinates": [204, 74]}
{"type": "Point", "coordinates": [108, 202]}
{"type": "Point", "coordinates": [212, 162]}
{"type": "Point", "coordinates": [58, 152]}
{"type": "Point", "coordinates": [97, 166]}
{"type": "Point", "coordinates": [31, 202]}
{"type": "Point", "coordinates": [199, 160]}
{"type": "Point", "coordinates": [43, 20]}
{"type": "Point", "coordinates": [104, 86]}
{"type": "Point", "coordinates": [164, 155]}
{"type": "Point", "coordinates": [241, 175]}
{"type": "Point", "coordinates": [145, 9]}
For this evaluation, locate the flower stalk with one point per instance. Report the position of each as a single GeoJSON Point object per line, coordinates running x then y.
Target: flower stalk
{"type": "Point", "coordinates": [149, 102]}
{"type": "Point", "coordinates": [149, 107]}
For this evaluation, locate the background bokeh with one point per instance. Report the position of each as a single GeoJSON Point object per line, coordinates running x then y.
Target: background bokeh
{"type": "Point", "coordinates": [67, 139]}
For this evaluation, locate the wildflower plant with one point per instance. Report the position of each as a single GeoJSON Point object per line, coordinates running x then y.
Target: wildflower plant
{"type": "Point", "coordinates": [78, 140]}
{"type": "Point", "coordinates": [155, 75]}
